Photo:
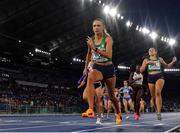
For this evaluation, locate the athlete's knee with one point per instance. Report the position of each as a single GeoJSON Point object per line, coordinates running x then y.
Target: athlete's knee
{"type": "Point", "coordinates": [84, 97]}
{"type": "Point", "coordinates": [158, 94]}
{"type": "Point", "coordinates": [91, 79]}
{"type": "Point", "coordinates": [100, 104]}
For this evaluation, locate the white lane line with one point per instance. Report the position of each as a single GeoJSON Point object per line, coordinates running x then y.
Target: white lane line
{"type": "Point", "coordinates": [163, 120]}
{"type": "Point", "coordinates": [159, 124]}
{"type": "Point", "coordinates": [66, 122]}
{"type": "Point", "coordinates": [92, 123]}
{"type": "Point", "coordinates": [170, 130]}
{"type": "Point", "coordinates": [146, 119]}
{"type": "Point", "coordinates": [44, 126]}
{"type": "Point", "coordinates": [37, 121]}
{"type": "Point", "coordinates": [11, 121]}
{"type": "Point", "coordinates": [61, 123]}
{"type": "Point", "coordinates": [139, 124]}
{"type": "Point", "coordinates": [9, 129]}
{"type": "Point", "coordinates": [123, 125]}
{"type": "Point", "coordinates": [99, 128]}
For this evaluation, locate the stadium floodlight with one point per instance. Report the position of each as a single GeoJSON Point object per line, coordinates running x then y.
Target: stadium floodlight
{"type": "Point", "coordinates": [171, 70]}
{"type": "Point", "coordinates": [162, 38]}
{"type": "Point", "coordinates": [145, 30]}
{"type": "Point", "coordinates": [118, 15]}
{"type": "Point", "coordinates": [172, 41]}
{"type": "Point", "coordinates": [113, 12]}
{"type": "Point", "coordinates": [140, 29]}
{"type": "Point", "coordinates": [36, 50]}
{"type": "Point", "coordinates": [74, 59]}
{"type": "Point", "coordinates": [42, 52]}
{"type": "Point", "coordinates": [99, 1]}
{"type": "Point", "coordinates": [153, 35]}
{"type": "Point", "coordinates": [128, 23]}
{"type": "Point", "coordinates": [122, 17]}
{"type": "Point", "coordinates": [123, 67]}
{"type": "Point", "coordinates": [137, 27]}
{"type": "Point", "coordinates": [90, 0]}
{"type": "Point", "coordinates": [106, 9]}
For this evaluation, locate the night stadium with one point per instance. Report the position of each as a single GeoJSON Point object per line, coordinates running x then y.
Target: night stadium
{"type": "Point", "coordinates": [89, 66]}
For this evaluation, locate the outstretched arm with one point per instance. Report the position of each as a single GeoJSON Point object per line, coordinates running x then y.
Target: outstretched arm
{"type": "Point", "coordinates": [170, 64]}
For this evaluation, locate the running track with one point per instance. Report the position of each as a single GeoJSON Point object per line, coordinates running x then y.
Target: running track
{"type": "Point", "coordinates": [74, 123]}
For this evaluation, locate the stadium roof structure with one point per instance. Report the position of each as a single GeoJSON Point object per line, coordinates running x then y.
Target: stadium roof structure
{"type": "Point", "coordinates": [57, 29]}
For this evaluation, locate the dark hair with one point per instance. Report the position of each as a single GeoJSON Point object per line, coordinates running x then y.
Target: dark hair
{"type": "Point", "coordinates": [126, 81]}
{"type": "Point", "coordinates": [138, 65]}
{"type": "Point", "coordinates": [155, 50]}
